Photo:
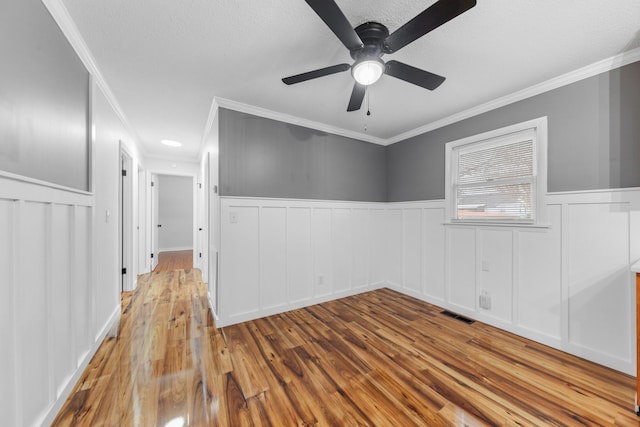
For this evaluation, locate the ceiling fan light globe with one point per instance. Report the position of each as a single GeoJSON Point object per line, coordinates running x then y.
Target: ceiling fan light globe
{"type": "Point", "coordinates": [368, 71]}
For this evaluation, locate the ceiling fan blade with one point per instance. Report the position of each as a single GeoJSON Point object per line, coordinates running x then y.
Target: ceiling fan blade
{"type": "Point", "coordinates": [357, 96]}
{"type": "Point", "coordinates": [413, 75]}
{"type": "Point", "coordinates": [316, 73]}
{"type": "Point", "coordinates": [437, 14]}
{"type": "Point", "coordinates": [331, 14]}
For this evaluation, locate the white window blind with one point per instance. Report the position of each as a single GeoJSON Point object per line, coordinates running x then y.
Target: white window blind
{"type": "Point", "coordinates": [494, 180]}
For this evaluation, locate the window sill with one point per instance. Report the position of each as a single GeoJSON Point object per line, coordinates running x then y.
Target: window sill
{"type": "Point", "coordinates": [496, 224]}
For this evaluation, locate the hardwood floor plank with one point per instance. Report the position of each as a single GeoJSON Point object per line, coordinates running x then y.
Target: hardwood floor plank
{"type": "Point", "coordinates": [375, 359]}
{"type": "Point", "coordinates": [174, 260]}
{"type": "Point", "coordinates": [248, 365]}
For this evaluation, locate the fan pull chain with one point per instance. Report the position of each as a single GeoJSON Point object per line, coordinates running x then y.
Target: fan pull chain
{"type": "Point", "coordinates": [368, 111]}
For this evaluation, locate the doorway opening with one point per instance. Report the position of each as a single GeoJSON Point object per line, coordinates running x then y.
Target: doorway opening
{"type": "Point", "coordinates": [172, 216]}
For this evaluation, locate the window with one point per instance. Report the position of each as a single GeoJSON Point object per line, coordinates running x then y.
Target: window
{"type": "Point", "coordinates": [498, 177]}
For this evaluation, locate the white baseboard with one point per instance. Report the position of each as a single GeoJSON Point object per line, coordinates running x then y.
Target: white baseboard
{"type": "Point", "coordinates": [175, 248]}
{"type": "Point", "coordinates": [211, 307]}
{"type": "Point", "coordinates": [294, 305]}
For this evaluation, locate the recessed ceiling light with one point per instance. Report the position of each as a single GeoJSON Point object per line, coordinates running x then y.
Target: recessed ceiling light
{"type": "Point", "coordinates": [171, 143]}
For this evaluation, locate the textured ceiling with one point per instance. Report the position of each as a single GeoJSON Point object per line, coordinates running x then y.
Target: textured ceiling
{"type": "Point", "coordinates": [166, 60]}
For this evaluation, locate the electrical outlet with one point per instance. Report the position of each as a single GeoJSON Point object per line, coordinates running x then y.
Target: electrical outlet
{"type": "Point", "coordinates": [320, 280]}
{"type": "Point", "coordinates": [233, 217]}
{"type": "Point", "coordinates": [485, 301]}
{"type": "Point", "coordinates": [486, 266]}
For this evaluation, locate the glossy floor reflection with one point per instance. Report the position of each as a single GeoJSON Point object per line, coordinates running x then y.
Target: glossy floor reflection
{"type": "Point", "coordinates": [159, 368]}
{"type": "Point", "coordinates": [379, 358]}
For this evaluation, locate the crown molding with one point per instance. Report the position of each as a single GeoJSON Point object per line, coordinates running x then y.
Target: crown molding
{"type": "Point", "coordinates": [286, 118]}
{"type": "Point", "coordinates": [213, 112]}
{"type": "Point", "coordinates": [591, 70]}
{"type": "Point", "coordinates": [61, 15]}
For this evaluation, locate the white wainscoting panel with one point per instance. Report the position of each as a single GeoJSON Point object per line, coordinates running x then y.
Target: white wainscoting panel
{"type": "Point", "coordinates": [378, 245]}
{"type": "Point", "coordinates": [461, 262]}
{"type": "Point", "coordinates": [7, 322]}
{"type": "Point", "coordinates": [321, 251]}
{"type": "Point", "coordinates": [299, 261]}
{"type": "Point", "coordinates": [433, 256]}
{"type": "Point", "coordinates": [33, 375]}
{"type": "Point", "coordinates": [46, 312]}
{"type": "Point", "coordinates": [567, 285]}
{"type": "Point", "coordinates": [412, 249]}
{"type": "Point", "coordinates": [394, 247]}
{"type": "Point", "coordinates": [273, 262]}
{"type": "Point", "coordinates": [361, 247]}
{"type": "Point", "coordinates": [82, 278]}
{"type": "Point", "coordinates": [342, 250]}
{"type": "Point", "coordinates": [599, 291]}
{"type": "Point", "coordinates": [539, 290]}
{"type": "Point", "coordinates": [295, 253]}
{"type": "Point", "coordinates": [241, 259]}
{"type": "Point", "coordinates": [61, 295]}
{"type": "Point", "coordinates": [495, 278]}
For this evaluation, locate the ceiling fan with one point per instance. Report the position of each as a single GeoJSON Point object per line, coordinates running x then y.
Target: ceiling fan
{"type": "Point", "coordinates": [368, 42]}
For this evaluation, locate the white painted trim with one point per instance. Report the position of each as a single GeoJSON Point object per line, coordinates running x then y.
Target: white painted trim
{"type": "Point", "coordinates": [535, 129]}
{"type": "Point", "coordinates": [294, 305]}
{"type": "Point", "coordinates": [603, 194]}
{"type": "Point", "coordinates": [595, 193]}
{"type": "Point", "coordinates": [175, 248]}
{"type": "Point", "coordinates": [287, 118]}
{"type": "Point", "coordinates": [14, 293]}
{"type": "Point", "coordinates": [591, 70]}
{"type": "Point", "coordinates": [274, 201]}
{"type": "Point", "coordinates": [212, 308]}
{"type": "Point", "coordinates": [213, 113]}
{"type": "Point", "coordinates": [38, 182]}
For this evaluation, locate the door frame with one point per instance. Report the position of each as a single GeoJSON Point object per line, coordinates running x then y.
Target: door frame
{"type": "Point", "coordinates": [141, 227]}
{"type": "Point", "coordinates": [154, 174]}
{"type": "Point", "coordinates": [125, 222]}
{"type": "Point", "coordinates": [153, 219]}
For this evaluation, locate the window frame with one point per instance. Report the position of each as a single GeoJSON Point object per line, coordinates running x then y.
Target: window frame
{"type": "Point", "coordinates": [502, 136]}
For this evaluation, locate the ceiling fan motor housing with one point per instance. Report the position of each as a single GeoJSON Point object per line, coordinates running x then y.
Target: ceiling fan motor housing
{"type": "Point", "coordinates": [372, 35]}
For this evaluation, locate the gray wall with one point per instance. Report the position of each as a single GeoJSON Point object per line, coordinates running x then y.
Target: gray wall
{"type": "Point", "coordinates": [175, 212]}
{"type": "Point", "coordinates": [593, 141]}
{"type": "Point", "coordinates": [266, 158]}
{"type": "Point", "coordinates": [44, 98]}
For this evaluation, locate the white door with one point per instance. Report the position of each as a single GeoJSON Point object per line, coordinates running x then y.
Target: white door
{"type": "Point", "coordinates": [154, 221]}
{"type": "Point", "coordinates": [141, 228]}
{"type": "Point", "coordinates": [203, 229]}
{"type": "Point", "coordinates": [126, 221]}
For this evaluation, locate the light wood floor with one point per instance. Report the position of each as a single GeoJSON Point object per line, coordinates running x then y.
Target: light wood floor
{"type": "Point", "coordinates": [174, 260]}
{"type": "Point", "coordinates": [379, 358]}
